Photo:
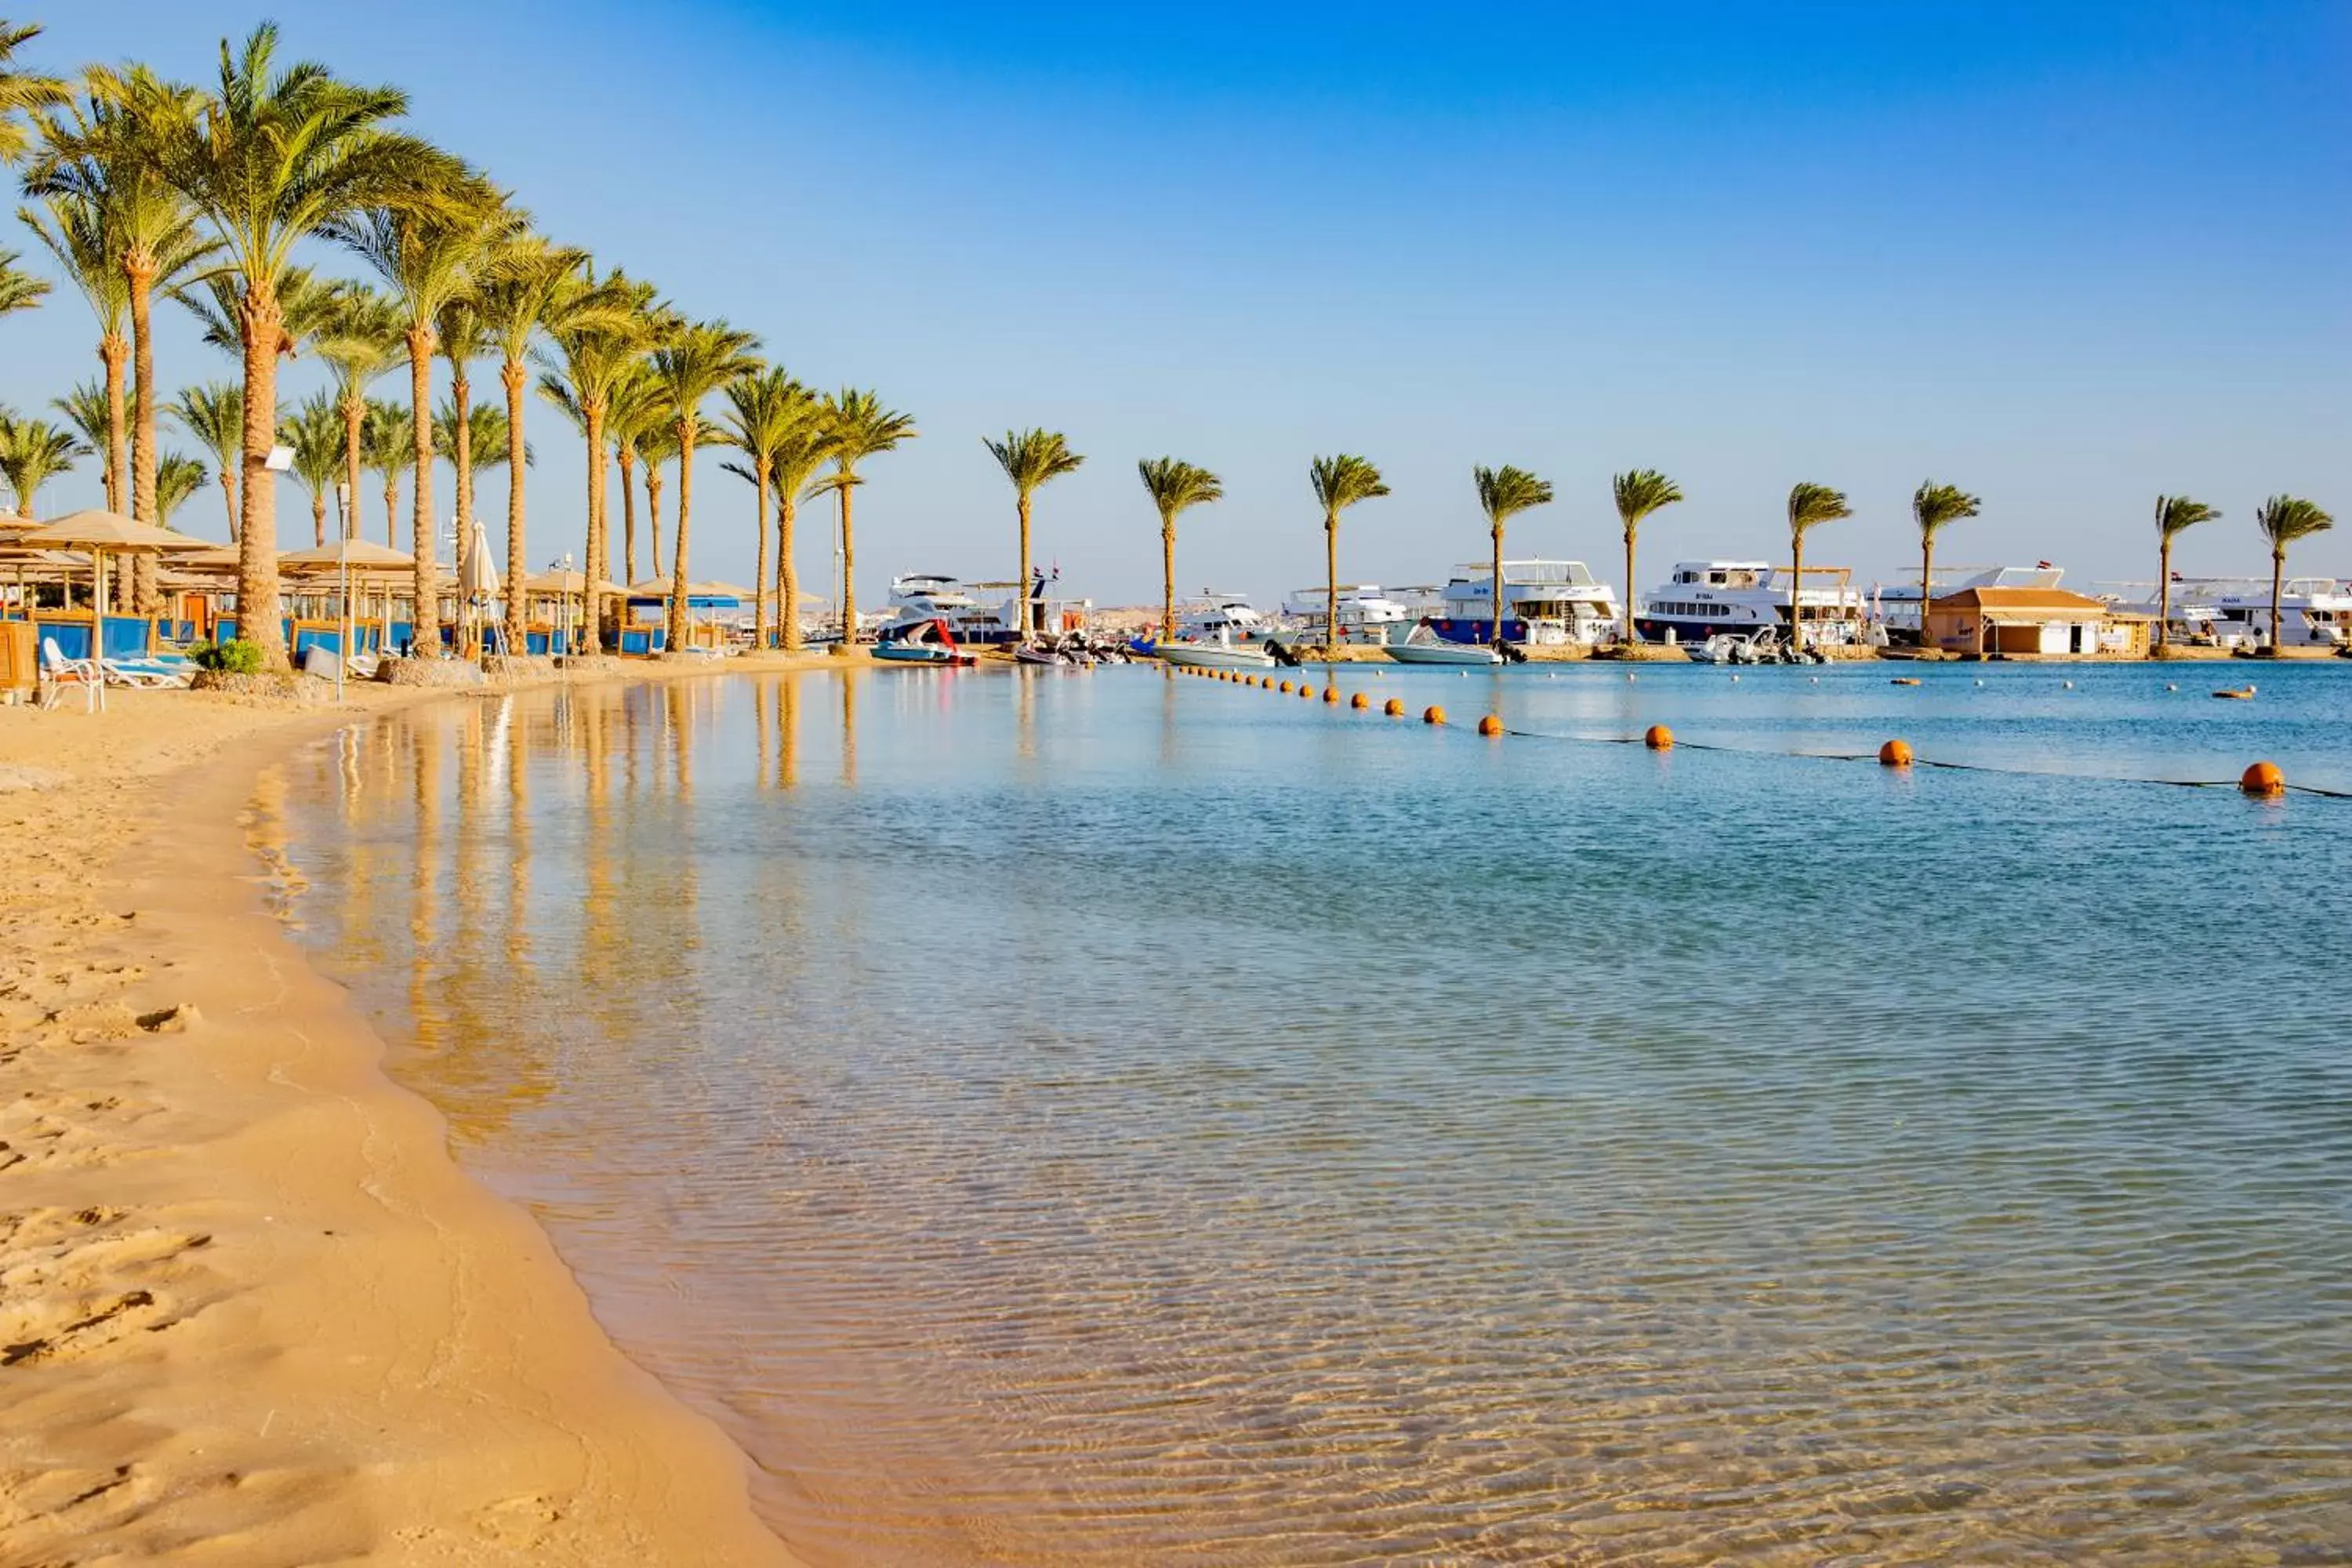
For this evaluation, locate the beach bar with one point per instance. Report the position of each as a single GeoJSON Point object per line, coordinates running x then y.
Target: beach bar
{"type": "Point", "coordinates": [2035, 623]}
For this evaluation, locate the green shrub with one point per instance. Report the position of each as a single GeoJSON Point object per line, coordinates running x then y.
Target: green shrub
{"type": "Point", "coordinates": [235, 657]}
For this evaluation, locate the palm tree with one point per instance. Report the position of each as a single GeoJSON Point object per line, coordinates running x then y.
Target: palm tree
{"type": "Point", "coordinates": [273, 157]}
{"type": "Point", "coordinates": [19, 290]}
{"type": "Point", "coordinates": [701, 358]}
{"type": "Point", "coordinates": [1502, 494]}
{"type": "Point", "coordinates": [315, 431]}
{"type": "Point", "coordinates": [588, 361]}
{"type": "Point", "coordinates": [429, 258]}
{"type": "Point", "coordinates": [215, 414]}
{"type": "Point", "coordinates": [859, 427]}
{"type": "Point", "coordinates": [79, 232]}
{"type": "Point", "coordinates": [2284, 519]}
{"type": "Point", "coordinates": [806, 448]}
{"type": "Point", "coordinates": [534, 290]}
{"type": "Point", "coordinates": [2174, 515]}
{"type": "Point", "coordinates": [389, 446]}
{"type": "Point", "coordinates": [1174, 487]}
{"type": "Point", "coordinates": [31, 453]}
{"type": "Point", "coordinates": [1932, 507]}
{"type": "Point", "coordinates": [177, 477]}
{"type": "Point", "coordinates": [98, 153]}
{"type": "Point", "coordinates": [1810, 506]}
{"type": "Point", "coordinates": [486, 435]}
{"type": "Point", "coordinates": [460, 334]}
{"type": "Point", "coordinates": [362, 342]}
{"type": "Point", "coordinates": [1638, 494]}
{"type": "Point", "coordinates": [1340, 483]}
{"type": "Point", "coordinates": [21, 89]}
{"type": "Point", "coordinates": [760, 412]}
{"type": "Point", "coordinates": [90, 411]}
{"type": "Point", "coordinates": [1030, 459]}
{"type": "Point", "coordinates": [640, 432]}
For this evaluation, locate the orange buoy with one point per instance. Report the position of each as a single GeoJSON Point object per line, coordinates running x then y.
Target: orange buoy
{"type": "Point", "coordinates": [1658, 738]}
{"type": "Point", "coordinates": [1490, 725]}
{"type": "Point", "coordinates": [1359, 700]}
{"type": "Point", "coordinates": [1330, 694]}
{"type": "Point", "coordinates": [1394, 708]}
{"type": "Point", "coordinates": [2262, 780]}
{"type": "Point", "coordinates": [1895, 754]}
{"type": "Point", "coordinates": [1286, 688]}
{"type": "Point", "coordinates": [1432, 715]}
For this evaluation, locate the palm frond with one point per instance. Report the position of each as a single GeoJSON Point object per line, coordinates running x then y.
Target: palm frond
{"type": "Point", "coordinates": [1176, 487]}
{"type": "Point", "coordinates": [1342, 482]}
{"type": "Point", "coordinates": [1507, 491]}
{"type": "Point", "coordinates": [2284, 519]}
{"type": "Point", "coordinates": [1934, 506]}
{"type": "Point", "coordinates": [1640, 494]}
{"type": "Point", "coordinates": [2175, 515]}
{"type": "Point", "coordinates": [1811, 505]}
{"type": "Point", "coordinates": [1033, 458]}
{"type": "Point", "coordinates": [177, 477]}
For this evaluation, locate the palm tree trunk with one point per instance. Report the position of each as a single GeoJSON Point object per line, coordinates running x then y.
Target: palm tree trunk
{"type": "Point", "coordinates": [1629, 583]}
{"type": "Point", "coordinates": [1495, 598]}
{"type": "Point", "coordinates": [2163, 588]}
{"type": "Point", "coordinates": [1926, 580]}
{"type": "Point", "coordinates": [628, 457]}
{"type": "Point", "coordinates": [1168, 579]}
{"type": "Point", "coordinates": [788, 581]}
{"type": "Point", "coordinates": [653, 516]}
{"type": "Point", "coordinates": [391, 508]}
{"type": "Point", "coordinates": [849, 574]}
{"type": "Point", "coordinates": [426, 619]}
{"type": "Point", "coordinates": [318, 518]}
{"type": "Point", "coordinates": [2278, 581]}
{"type": "Point", "coordinates": [461, 402]}
{"type": "Point", "coordinates": [113, 353]}
{"type": "Point", "coordinates": [354, 411]}
{"type": "Point", "coordinates": [230, 498]}
{"type": "Point", "coordinates": [140, 270]}
{"type": "Point", "coordinates": [1331, 584]}
{"type": "Point", "coordinates": [592, 592]}
{"type": "Point", "coordinates": [262, 327]}
{"type": "Point", "coordinates": [685, 520]}
{"type": "Point", "coordinates": [1797, 591]}
{"type": "Point", "coordinates": [514, 377]}
{"type": "Point", "coordinates": [1025, 605]}
{"type": "Point", "coordinates": [759, 573]}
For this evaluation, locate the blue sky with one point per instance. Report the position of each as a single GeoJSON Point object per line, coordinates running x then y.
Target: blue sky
{"type": "Point", "coordinates": [2066, 256]}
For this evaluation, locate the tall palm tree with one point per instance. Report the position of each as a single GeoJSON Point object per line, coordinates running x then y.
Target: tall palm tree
{"type": "Point", "coordinates": [486, 436]}
{"type": "Point", "coordinates": [1933, 506]}
{"type": "Point", "coordinates": [1340, 483]}
{"type": "Point", "coordinates": [389, 446]}
{"type": "Point", "coordinates": [177, 477]}
{"type": "Point", "coordinates": [215, 414]}
{"type": "Point", "coordinates": [1174, 487]}
{"type": "Point", "coordinates": [806, 448]}
{"type": "Point", "coordinates": [1638, 494]}
{"type": "Point", "coordinates": [758, 419]}
{"type": "Point", "coordinates": [641, 433]}
{"type": "Point", "coordinates": [315, 432]}
{"type": "Point", "coordinates": [1810, 506]}
{"type": "Point", "coordinates": [270, 158]}
{"type": "Point", "coordinates": [2284, 519]}
{"type": "Point", "coordinates": [1030, 459]}
{"type": "Point", "coordinates": [79, 232]}
{"type": "Point", "coordinates": [2174, 515]}
{"type": "Point", "coordinates": [1502, 494]}
{"type": "Point", "coordinates": [462, 338]}
{"type": "Point", "coordinates": [430, 260]}
{"type": "Point", "coordinates": [362, 342]}
{"type": "Point", "coordinates": [588, 362]}
{"type": "Point", "coordinates": [533, 290]}
{"type": "Point", "coordinates": [860, 427]}
{"type": "Point", "coordinates": [97, 152]}
{"type": "Point", "coordinates": [21, 89]}
{"type": "Point", "coordinates": [700, 358]}
{"type": "Point", "coordinates": [31, 453]}
{"type": "Point", "coordinates": [19, 290]}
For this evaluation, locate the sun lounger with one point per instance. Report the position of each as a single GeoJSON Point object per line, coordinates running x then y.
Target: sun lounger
{"type": "Point", "coordinates": [155, 672]}
{"type": "Point", "coordinates": [58, 672]}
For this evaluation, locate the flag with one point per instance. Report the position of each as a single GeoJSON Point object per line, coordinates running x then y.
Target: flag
{"type": "Point", "coordinates": [2041, 566]}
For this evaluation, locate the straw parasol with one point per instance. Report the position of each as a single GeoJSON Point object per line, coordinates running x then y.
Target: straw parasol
{"type": "Point", "coordinates": [97, 532]}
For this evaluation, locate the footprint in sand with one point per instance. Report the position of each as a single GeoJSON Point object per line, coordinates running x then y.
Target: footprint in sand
{"type": "Point", "coordinates": [517, 1520]}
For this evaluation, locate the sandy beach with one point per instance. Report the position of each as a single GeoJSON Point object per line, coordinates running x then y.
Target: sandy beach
{"type": "Point", "coordinates": [250, 1311]}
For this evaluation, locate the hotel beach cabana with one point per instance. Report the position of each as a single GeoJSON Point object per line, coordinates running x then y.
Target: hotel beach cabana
{"type": "Point", "coordinates": [644, 629]}
{"type": "Point", "coordinates": [555, 610]}
{"type": "Point", "coordinates": [97, 534]}
{"type": "Point", "coordinates": [2033, 622]}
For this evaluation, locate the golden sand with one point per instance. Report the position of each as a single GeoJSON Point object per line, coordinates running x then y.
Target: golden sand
{"type": "Point", "coordinates": [250, 1310]}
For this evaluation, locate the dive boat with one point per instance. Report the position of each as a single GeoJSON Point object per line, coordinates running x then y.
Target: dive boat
{"type": "Point", "coordinates": [920, 642]}
{"type": "Point", "coordinates": [1423, 646]}
{"type": "Point", "coordinates": [1366, 615]}
{"type": "Point", "coordinates": [1545, 603]}
{"type": "Point", "coordinates": [1705, 598]}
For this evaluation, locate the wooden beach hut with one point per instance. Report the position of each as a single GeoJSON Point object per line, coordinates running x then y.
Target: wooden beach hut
{"type": "Point", "coordinates": [2033, 622]}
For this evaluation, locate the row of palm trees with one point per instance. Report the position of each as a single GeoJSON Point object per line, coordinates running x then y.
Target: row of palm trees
{"type": "Point", "coordinates": [140, 185]}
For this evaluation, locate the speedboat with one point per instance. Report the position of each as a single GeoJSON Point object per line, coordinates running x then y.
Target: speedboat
{"type": "Point", "coordinates": [920, 642]}
{"type": "Point", "coordinates": [1221, 654]}
{"type": "Point", "coordinates": [1423, 646]}
{"type": "Point", "coordinates": [1734, 647]}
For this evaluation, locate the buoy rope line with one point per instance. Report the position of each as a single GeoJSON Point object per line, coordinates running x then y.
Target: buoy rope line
{"type": "Point", "coordinates": [1676, 743]}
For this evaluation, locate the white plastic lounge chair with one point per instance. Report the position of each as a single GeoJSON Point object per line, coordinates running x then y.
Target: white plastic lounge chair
{"type": "Point", "coordinates": [58, 672]}
{"type": "Point", "coordinates": [162, 672]}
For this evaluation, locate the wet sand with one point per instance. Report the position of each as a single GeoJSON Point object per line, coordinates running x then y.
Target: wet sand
{"type": "Point", "coordinates": [250, 1311]}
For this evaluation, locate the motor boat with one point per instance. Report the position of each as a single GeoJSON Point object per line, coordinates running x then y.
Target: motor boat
{"type": "Point", "coordinates": [1706, 597]}
{"type": "Point", "coordinates": [920, 642]}
{"type": "Point", "coordinates": [1366, 614]}
{"type": "Point", "coordinates": [1735, 648]}
{"type": "Point", "coordinates": [1545, 603]}
{"type": "Point", "coordinates": [1221, 654]}
{"type": "Point", "coordinates": [1423, 646]}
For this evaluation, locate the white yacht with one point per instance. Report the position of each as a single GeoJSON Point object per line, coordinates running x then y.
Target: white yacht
{"type": "Point", "coordinates": [2314, 611]}
{"type": "Point", "coordinates": [1896, 605]}
{"type": "Point", "coordinates": [916, 597]}
{"type": "Point", "coordinates": [1366, 615]}
{"type": "Point", "coordinates": [1704, 598]}
{"type": "Point", "coordinates": [1214, 615]}
{"type": "Point", "coordinates": [1546, 602]}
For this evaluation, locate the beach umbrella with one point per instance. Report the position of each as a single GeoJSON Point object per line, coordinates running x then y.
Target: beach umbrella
{"type": "Point", "coordinates": [97, 532]}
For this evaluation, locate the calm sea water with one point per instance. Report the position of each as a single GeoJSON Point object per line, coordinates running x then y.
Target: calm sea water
{"type": "Point", "coordinates": [1116, 1119]}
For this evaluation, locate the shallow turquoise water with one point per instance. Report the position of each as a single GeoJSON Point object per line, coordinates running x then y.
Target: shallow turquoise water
{"type": "Point", "coordinates": [1110, 1119]}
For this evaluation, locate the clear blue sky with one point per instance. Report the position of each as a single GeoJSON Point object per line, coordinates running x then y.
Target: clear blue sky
{"type": "Point", "coordinates": [2066, 256]}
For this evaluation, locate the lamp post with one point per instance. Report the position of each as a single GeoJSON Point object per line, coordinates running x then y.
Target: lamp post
{"type": "Point", "coordinates": [343, 564]}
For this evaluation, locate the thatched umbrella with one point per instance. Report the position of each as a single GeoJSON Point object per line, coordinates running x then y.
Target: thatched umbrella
{"type": "Point", "coordinates": [99, 532]}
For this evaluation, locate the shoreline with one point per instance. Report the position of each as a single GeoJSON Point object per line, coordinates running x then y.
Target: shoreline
{"type": "Point", "coordinates": [252, 1307]}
